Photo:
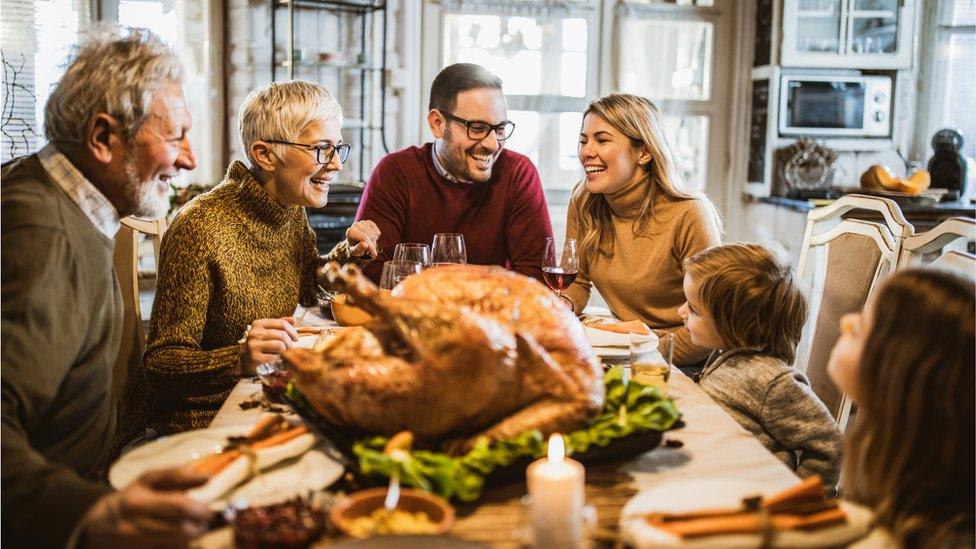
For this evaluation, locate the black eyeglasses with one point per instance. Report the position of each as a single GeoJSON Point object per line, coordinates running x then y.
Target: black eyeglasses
{"type": "Point", "coordinates": [480, 130]}
{"type": "Point", "coordinates": [323, 153]}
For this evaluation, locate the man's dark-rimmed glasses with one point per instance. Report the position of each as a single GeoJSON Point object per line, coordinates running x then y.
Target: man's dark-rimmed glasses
{"type": "Point", "coordinates": [323, 153]}
{"type": "Point", "coordinates": [478, 130]}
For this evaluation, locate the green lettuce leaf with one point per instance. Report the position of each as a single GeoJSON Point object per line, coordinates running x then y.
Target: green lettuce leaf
{"type": "Point", "coordinates": [629, 408]}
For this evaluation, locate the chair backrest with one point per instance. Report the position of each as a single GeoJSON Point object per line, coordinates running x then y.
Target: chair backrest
{"type": "Point", "coordinates": [127, 270]}
{"type": "Point", "coordinates": [931, 247]}
{"type": "Point", "coordinates": [841, 262]}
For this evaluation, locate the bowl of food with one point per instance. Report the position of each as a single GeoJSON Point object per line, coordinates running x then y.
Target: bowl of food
{"type": "Point", "coordinates": [274, 378]}
{"type": "Point", "coordinates": [362, 514]}
{"type": "Point", "coordinates": [295, 523]}
{"type": "Point", "coordinates": [346, 314]}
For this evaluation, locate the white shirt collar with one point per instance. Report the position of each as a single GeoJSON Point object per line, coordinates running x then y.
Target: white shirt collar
{"type": "Point", "coordinates": [440, 167]}
{"type": "Point", "coordinates": [80, 190]}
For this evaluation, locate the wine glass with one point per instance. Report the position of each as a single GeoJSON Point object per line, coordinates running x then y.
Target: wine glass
{"type": "Point", "coordinates": [412, 251]}
{"type": "Point", "coordinates": [395, 271]}
{"type": "Point", "coordinates": [560, 264]}
{"type": "Point", "coordinates": [448, 248]}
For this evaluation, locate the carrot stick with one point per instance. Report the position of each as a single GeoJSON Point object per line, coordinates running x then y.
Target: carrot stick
{"type": "Point", "coordinates": [811, 487]}
{"type": "Point", "coordinates": [280, 438]}
{"type": "Point", "coordinates": [214, 463]}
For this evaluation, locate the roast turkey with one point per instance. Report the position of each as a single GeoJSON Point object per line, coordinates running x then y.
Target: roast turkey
{"type": "Point", "coordinates": [454, 353]}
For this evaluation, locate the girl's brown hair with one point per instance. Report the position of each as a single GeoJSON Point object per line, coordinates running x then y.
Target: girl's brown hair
{"type": "Point", "coordinates": [640, 120]}
{"type": "Point", "coordinates": [749, 293]}
{"type": "Point", "coordinates": [911, 455]}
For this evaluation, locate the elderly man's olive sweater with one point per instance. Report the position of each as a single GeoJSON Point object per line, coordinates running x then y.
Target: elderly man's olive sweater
{"type": "Point", "coordinates": [62, 322]}
{"type": "Point", "coordinates": [233, 255]}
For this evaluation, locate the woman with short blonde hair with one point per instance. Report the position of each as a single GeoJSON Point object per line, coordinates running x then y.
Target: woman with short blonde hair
{"type": "Point", "coordinates": [636, 219]}
{"type": "Point", "coordinates": [238, 260]}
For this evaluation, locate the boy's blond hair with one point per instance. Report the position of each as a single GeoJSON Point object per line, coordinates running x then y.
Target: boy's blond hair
{"type": "Point", "coordinates": [749, 292]}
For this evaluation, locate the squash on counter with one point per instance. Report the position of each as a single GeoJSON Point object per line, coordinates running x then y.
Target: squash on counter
{"type": "Point", "coordinates": [880, 177]}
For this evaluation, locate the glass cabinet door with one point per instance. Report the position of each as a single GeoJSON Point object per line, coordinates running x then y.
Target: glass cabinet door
{"type": "Point", "coordinates": [819, 26]}
{"type": "Point", "coordinates": [873, 27]}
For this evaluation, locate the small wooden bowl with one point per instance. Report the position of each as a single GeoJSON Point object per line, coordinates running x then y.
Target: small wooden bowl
{"type": "Point", "coordinates": [364, 502]}
{"type": "Point", "coordinates": [346, 314]}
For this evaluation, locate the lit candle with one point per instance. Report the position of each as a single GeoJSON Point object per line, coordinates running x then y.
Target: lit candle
{"type": "Point", "coordinates": [556, 486]}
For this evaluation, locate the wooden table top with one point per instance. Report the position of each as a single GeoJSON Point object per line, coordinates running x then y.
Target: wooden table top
{"type": "Point", "coordinates": [713, 445]}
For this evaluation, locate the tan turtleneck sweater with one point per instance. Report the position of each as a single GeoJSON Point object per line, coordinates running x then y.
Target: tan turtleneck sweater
{"type": "Point", "coordinates": [233, 255]}
{"type": "Point", "coordinates": [643, 277]}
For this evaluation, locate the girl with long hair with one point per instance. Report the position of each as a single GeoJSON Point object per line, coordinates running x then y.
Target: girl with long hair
{"type": "Point", "coordinates": [908, 362]}
{"type": "Point", "coordinates": [635, 219]}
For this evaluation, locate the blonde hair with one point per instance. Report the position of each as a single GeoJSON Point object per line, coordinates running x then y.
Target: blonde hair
{"type": "Point", "coordinates": [910, 455]}
{"type": "Point", "coordinates": [280, 111]}
{"type": "Point", "coordinates": [749, 292]}
{"type": "Point", "coordinates": [641, 121]}
{"type": "Point", "coordinates": [113, 72]}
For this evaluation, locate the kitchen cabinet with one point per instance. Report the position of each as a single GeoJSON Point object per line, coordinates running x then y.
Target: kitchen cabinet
{"type": "Point", "coordinates": [860, 34]}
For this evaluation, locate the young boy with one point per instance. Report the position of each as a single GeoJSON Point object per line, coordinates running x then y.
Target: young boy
{"type": "Point", "coordinates": [742, 302]}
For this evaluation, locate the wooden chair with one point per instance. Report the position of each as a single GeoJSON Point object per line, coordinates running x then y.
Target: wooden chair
{"type": "Point", "coordinates": [931, 248]}
{"type": "Point", "coordinates": [842, 261]}
{"type": "Point", "coordinates": [126, 376]}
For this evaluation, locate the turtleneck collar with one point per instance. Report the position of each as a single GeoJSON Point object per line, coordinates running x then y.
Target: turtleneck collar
{"type": "Point", "coordinates": [626, 202]}
{"type": "Point", "coordinates": [255, 199]}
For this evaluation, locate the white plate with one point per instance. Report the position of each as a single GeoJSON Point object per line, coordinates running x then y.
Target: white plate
{"type": "Point", "coordinates": [680, 496]}
{"type": "Point", "coordinates": [307, 341]}
{"type": "Point", "coordinates": [612, 352]}
{"type": "Point", "coordinates": [313, 470]}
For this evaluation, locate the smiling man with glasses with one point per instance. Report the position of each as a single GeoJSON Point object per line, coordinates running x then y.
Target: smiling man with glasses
{"type": "Point", "coordinates": [464, 182]}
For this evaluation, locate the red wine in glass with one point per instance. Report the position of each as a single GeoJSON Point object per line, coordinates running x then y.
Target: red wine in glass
{"type": "Point", "coordinates": [560, 264]}
{"type": "Point", "coordinates": [557, 278]}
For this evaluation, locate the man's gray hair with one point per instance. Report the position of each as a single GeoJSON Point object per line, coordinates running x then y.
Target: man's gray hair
{"type": "Point", "coordinates": [280, 111]}
{"type": "Point", "coordinates": [114, 71]}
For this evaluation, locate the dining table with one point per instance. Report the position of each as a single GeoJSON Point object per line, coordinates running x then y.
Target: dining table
{"type": "Point", "coordinates": [709, 444]}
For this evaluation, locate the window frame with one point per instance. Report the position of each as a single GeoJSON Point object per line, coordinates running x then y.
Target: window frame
{"type": "Point", "coordinates": [934, 69]}
{"type": "Point", "coordinates": [431, 55]}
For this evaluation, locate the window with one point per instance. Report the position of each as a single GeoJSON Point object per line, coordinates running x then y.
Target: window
{"type": "Point", "coordinates": [36, 40]}
{"type": "Point", "coordinates": [543, 57]}
{"type": "Point", "coordinates": [556, 57]}
{"type": "Point", "coordinates": [673, 57]}
{"type": "Point", "coordinates": [38, 35]}
{"type": "Point", "coordinates": [952, 103]}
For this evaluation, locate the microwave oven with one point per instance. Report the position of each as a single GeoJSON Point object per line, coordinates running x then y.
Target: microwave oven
{"type": "Point", "coordinates": [839, 106]}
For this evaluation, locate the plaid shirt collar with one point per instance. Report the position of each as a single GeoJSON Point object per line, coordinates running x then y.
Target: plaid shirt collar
{"type": "Point", "coordinates": [89, 199]}
{"type": "Point", "coordinates": [440, 167]}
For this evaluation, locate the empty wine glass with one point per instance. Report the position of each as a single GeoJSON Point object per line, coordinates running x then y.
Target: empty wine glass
{"type": "Point", "coordinates": [395, 271]}
{"type": "Point", "coordinates": [560, 264]}
{"type": "Point", "coordinates": [412, 251]}
{"type": "Point", "coordinates": [448, 248]}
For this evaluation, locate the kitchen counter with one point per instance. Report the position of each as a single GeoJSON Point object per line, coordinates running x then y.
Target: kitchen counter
{"type": "Point", "coordinates": [922, 218]}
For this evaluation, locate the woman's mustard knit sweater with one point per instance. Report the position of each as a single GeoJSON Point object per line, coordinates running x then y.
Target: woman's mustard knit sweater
{"type": "Point", "coordinates": [233, 255]}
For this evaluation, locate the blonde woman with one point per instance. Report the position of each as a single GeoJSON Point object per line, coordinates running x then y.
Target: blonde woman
{"type": "Point", "coordinates": [237, 260]}
{"type": "Point", "coordinates": [635, 220]}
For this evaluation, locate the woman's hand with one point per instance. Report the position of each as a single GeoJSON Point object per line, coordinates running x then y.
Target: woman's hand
{"type": "Point", "coordinates": [363, 237]}
{"type": "Point", "coordinates": [265, 341]}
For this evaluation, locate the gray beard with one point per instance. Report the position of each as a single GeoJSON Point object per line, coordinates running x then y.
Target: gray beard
{"type": "Point", "coordinates": [145, 201]}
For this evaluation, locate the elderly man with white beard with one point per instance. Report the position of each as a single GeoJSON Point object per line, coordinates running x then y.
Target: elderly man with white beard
{"type": "Point", "coordinates": [117, 125]}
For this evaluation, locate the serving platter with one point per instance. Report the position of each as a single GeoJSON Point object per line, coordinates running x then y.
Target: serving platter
{"type": "Point", "coordinates": [338, 445]}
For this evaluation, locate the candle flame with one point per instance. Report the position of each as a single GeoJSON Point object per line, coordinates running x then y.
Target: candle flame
{"type": "Point", "coordinates": [557, 448]}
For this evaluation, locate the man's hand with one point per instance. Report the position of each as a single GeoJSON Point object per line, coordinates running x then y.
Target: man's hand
{"type": "Point", "coordinates": [265, 341]}
{"type": "Point", "coordinates": [152, 511]}
{"type": "Point", "coordinates": [362, 237]}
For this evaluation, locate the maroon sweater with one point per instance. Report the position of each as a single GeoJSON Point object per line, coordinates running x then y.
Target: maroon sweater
{"type": "Point", "coordinates": [504, 221]}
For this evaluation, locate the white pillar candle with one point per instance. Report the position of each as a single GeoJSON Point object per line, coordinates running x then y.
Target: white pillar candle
{"type": "Point", "coordinates": [556, 487]}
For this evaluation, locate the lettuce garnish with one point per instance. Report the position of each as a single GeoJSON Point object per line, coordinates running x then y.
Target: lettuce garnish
{"type": "Point", "coordinates": [628, 409]}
